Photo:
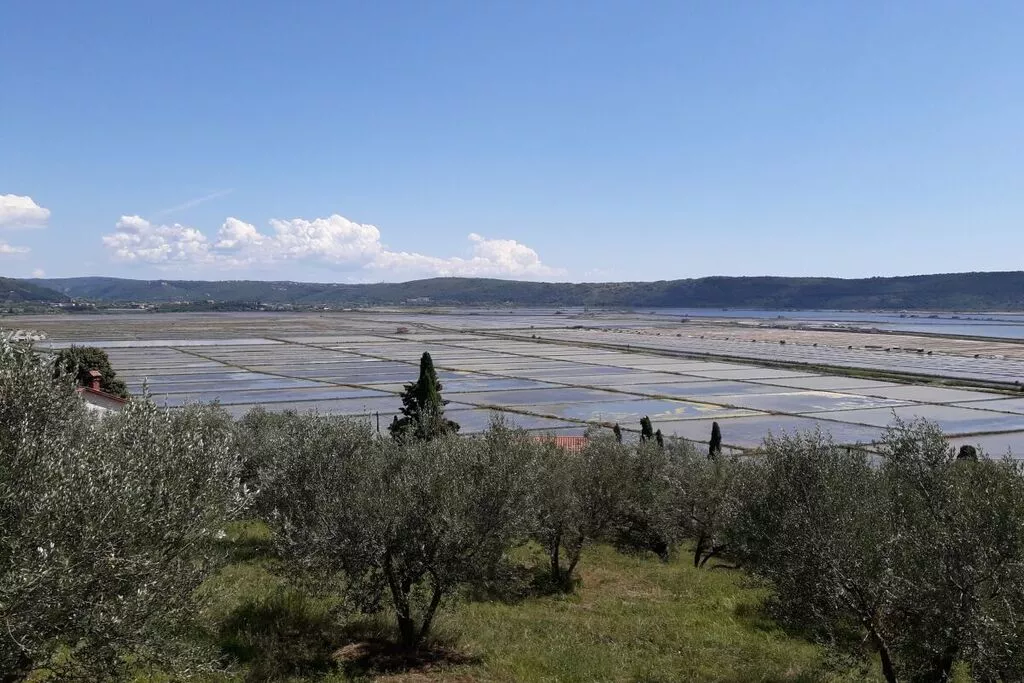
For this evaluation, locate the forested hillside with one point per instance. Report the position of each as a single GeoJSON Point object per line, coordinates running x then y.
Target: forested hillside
{"type": "Point", "coordinates": [18, 291]}
{"type": "Point", "coordinates": [958, 291]}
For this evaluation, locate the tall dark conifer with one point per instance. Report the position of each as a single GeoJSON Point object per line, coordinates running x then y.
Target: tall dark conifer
{"type": "Point", "coordinates": [646, 429]}
{"type": "Point", "coordinates": [423, 408]}
{"type": "Point", "coordinates": [715, 445]}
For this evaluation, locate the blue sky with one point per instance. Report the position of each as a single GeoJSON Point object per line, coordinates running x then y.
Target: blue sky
{"type": "Point", "coordinates": [588, 140]}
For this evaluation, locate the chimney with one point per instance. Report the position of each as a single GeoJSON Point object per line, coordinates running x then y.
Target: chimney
{"type": "Point", "coordinates": [94, 380]}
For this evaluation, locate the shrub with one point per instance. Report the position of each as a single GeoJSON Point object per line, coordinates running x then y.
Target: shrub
{"type": "Point", "coordinates": [642, 516]}
{"type": "Point", "coordinates": [409, 522]}
{"type": "Point", "coordinates": [107, 525]}
{"type": "Point", "coordinates": [707, 497]}
{"type": "Point", "coordinates": [922, 555]}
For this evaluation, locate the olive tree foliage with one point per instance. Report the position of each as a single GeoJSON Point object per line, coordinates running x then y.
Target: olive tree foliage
{"type": "Point", "coordinates": [643, 518]}
{"type": "Point", "coordinates": [106, 525]}
{"type": "Point", "coordinates": [579, 499]}
{"type": "Point", "coordinates": [707, 497]}
{"type": "Point", "coordinates": [816, 531]}
{"type": "Point", "coordinates": [915, 556]}
{"type": "Point", "coordinates": [960, 559]}
{"type": "Point", "coordinates": [265, 437]}
{"type": "Point", "coordinates": [409, 522]}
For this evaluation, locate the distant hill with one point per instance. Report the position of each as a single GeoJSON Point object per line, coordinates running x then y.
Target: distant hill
{"type": "Point", "coordinates": [22, 291]}
{"type": "Point", "coordinates": [955, 292]}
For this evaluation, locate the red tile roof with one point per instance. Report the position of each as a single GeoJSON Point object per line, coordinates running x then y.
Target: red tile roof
{"type": "Point", "coordinates": [573, 444]}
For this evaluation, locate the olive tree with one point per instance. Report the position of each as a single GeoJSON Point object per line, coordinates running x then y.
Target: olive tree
{"type": "Point", "coordinates": [561, 522]}
{"type": "Point", "coordinates": [643, 515]}
{"type": "Point", "coordinates": [106, 525]}
{"type": "Point", "coordinates": [960, 559]}
{"type": "Point", "coordinates": [579, 499]}
{"type": "Point", "coordinates": [409, 522]}
{"type": "Point", "coordinates": [266, 439]}
{"type": "Point", "coordinates": [920, 553]}
{"type": "Point", "coordinates": [816, 530]}
{"type": "Point", "coordinates": [707, 496]}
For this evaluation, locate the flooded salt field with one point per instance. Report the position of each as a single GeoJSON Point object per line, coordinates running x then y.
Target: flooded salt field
{"type": "Point", "coordinates": [549, 372]}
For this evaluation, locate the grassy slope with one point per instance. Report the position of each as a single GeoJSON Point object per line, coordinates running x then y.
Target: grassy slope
{"type": "Point", "coordinates": [632, 619]}
{"type": "Point", "coordinates": [636, 619]}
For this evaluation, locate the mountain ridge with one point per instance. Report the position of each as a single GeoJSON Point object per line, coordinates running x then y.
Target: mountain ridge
{"type": "Point", "coordinates": [948, 291]}
{"type": "Point", "coordinates": [13, 290]}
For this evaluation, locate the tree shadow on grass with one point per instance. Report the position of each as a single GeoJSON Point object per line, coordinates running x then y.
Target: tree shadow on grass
{"type": "Point", "coordinates": [371, 649]}
{"type": "Point", "coordinates": [285, 634]}
{"type": "Point", "coordinates": [756, 617]}
{"type": "Point", "coordinates": [288, 634]}
{"type": "Point", "coordinates": [514, 583]}
{"type": "Point", "coordinates": [839, 657]}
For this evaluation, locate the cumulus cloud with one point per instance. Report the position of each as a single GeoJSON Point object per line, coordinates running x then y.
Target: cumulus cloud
{"type": "Point", "coordinates": [17, 211]}
{"type": "Point", "coordinates": [38, 272]}
{"type": "Point", "coordinates": [334, 241]}
{"type": "Point", "coordinates": [136, 240]}
{"type": "Point", "coordinates": [8, 250]}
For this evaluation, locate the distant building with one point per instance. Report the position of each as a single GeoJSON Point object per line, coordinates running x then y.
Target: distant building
{"type": "Point", "coordinates": [98, 400]}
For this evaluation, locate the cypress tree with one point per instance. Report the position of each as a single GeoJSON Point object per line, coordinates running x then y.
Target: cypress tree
{"type": "Point", "coordinates": [646, 429]}
{"type": "Point", "coordinates": [715, 445]}
{"type": "Point", "coordinates": [617, 430]}
{"type": "Point", "coordinates": [659, 438]}
{"type": "Point", "coordinates": [423, 408]}
{"type": "Point", "coordinates": [968, 453]}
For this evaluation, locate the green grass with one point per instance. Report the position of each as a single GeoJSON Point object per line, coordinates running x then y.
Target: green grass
{"type": "Point", "coordinates": [630, 619]}
{"type": "Point", "coordinates": [636, 619]}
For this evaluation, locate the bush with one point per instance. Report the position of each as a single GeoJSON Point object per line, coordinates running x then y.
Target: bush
{"type": "Point", "coordinates": [706, 497]}
{"type": "Point", "coordinates": [409, 522]}
{"type": "Point", "coordinates": [643, 518]}
{"type": "Point", "coordinates": [107, 525]}
{"type": "Point", "coordinates": [919, 559]}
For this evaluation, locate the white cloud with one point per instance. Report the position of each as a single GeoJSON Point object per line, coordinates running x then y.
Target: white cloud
{"type": "Point", "coordinates": [333, 241]}
{"type": "Point", "coordinates": [7, 249]}
{"type": "Point", "coordinates": [138, 240]}
{"type": "Point", "coordinates": [38, 272]}
{"type": "Point", "coordinates": [17, 211]}
{"type": "Point", "coordinates": [236, 234]}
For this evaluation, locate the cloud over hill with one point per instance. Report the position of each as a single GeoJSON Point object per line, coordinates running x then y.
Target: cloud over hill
{"type": "Point", "coordinates": [334, 241]}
